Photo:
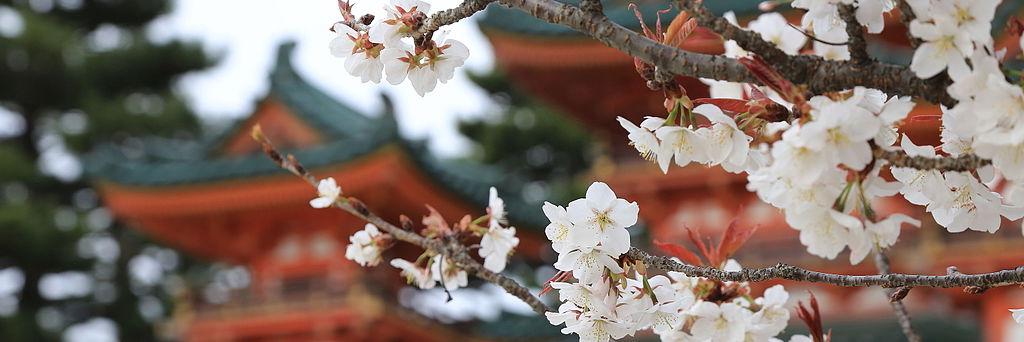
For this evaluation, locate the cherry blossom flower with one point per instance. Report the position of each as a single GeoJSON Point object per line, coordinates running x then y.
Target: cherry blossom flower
{"type": "Point", "coordinates": [448, 274]}
{"type": "Point", "coordinates": [328, 191]}
{"type": "Point", "coordinates": [642, 137]}
{"type": "Point", "coordinates": [724, 322]}
{"type": "Point", "coordinates": [496, 245]}
{"type": "Point", "coordinates": [774, 28]}
{"type": "Point", "coordinates": [726, 143]}
{"type": "Point", "coordinates": [821, 14]}
{"type": "Point", "coordinates": [601, 219]}
{"type": "Point", "coordinates": [401, 17]}
{"type": "Point", "coordinates": [559, 228]}
{"type": "Point", "coordinates": [824, 231]}
{"type": "Point", "coordinates": [414, 275]}
{"type": "Point", "coordinates": [588, 264]}
{"type": "Point", "coordinates": [843, 129]}
{"type": "Point", "coordinates": [968, 85]}
{"type": "Point", "coordinates": [363, 247]}
{"type": "Point", "coordinates": [972, 16]}
{"type": "Point", "coordinates": [498, 242]}
{"type": "Point", "coordinates": [881, 234]}
{"type": "Point", "coordinates": [870, 13]}
{"type": "Point", "coordinates": [680, 143]}
{"type": "Point", "coordinates": [945, 45]}
{"type": "Point", "coordinates": [596, 327]}
{"type": "Point", "coordinates": [966, 204]}
{"type": "Point", "coordinates": [662, 315]}
{"type": "Point", "coordinates": [362, 57]}
{"type": "Point", "coordinates": [835, 52]}
{"type": "Point", "coordinates": [917, 182]}
{"type": "Point", "coordinates": [773, 316]}
{"type": "Point", "coordinates": [423, 67]}
{"type": "Point", "coordinates": [495, 208]}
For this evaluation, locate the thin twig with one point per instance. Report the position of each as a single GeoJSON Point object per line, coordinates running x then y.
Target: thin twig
{"type": "Point", "coordinates": [882, 263]}
{"type": "Point", "coordinates": [967, 162]}
{"type": "Point", "coordinates": [456, 252]}
{"type": "Point", "coordinates": [812, 37]}
{"type": "Point", "coordinates": [789, 272]}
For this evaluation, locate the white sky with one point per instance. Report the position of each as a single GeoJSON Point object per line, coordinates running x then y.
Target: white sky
{"type": "Point", "coordinates": [247, 32]}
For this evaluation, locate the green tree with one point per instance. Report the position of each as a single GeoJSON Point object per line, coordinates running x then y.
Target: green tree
{"type": "Point", "coordinates": [74, 75]}
{"type": "Point", "coordinates": [531, 141]}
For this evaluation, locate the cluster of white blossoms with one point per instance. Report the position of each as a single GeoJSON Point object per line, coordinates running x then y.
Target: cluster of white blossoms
{"type": "Point", "coordinates": [385, 44]}
{"type": "Point", "coordinates": [365, 246]}
{"type": "Point", "coordinates": [611, 300]}
{"type": "Point", "coordinates": [820, 172]}
{"type": "Point", "coordinates": [950, 31]}
{"type": "Point", "coordinates": [719, 142]}
{"type": "Point", "coordinates": [823, 15]}
{"type": "Point", "coordinates": [497, 242]}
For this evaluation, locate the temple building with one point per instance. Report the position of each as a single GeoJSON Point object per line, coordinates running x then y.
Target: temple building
{"type": "Point", "coordinates": [223, 200]}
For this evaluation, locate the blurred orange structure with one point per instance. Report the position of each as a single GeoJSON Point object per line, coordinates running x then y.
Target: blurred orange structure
{"type": "Point", "coordinates": [228, 202]}
{"type": "Point", "coordinates": [224, 201]}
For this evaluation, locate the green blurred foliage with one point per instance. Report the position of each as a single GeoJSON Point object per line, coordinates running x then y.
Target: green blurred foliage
{"type": "Point", "coordinates": [80, 74]}
{"type": "Point", "coordinates": [530, 141]}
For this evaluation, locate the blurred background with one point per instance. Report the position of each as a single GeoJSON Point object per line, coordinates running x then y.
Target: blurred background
{"type": "Point", "coordinates": [134, 206]}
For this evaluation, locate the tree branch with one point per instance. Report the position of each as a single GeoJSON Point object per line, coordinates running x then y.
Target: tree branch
{"type": "Point", "coordinates": [819, 75]}
{"type": "Point", "coordinates": [449, 248]}
{"type": "Point", "coordinates": [882, 263]}
{"type": "Point", "coordinates": [450, 16]}
{"type": "Point", "coordinates": [967, 162]}
{"type": "Point", "coordinates": [857, 45]}
{"type": "Point", "coordinates": [789, 272]}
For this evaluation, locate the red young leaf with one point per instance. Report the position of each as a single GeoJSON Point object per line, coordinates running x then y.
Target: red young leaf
{"type": "Point", "coordinates": [757, 94]}
{"type": "Point", "coordinates": [704, 249]}
{"type": "Point", "coordinates": [812, 318]}
{"type": "Point", "coordinates": [771, 78]}
{"type": "Point", "coordinates": [735, 106]}
{"type": "Point", "coordinates": [680, 29]}
{"type": "Point", "coordinates": [679, 252]}
{"type": "Point", "coordinates": [733, 238]}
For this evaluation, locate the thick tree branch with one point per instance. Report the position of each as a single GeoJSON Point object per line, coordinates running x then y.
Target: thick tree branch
{"type": "Point", "coordinates": [818, 74]}
{"type": "Point", "coordinates": [450, 248]}
{"type": "Point", "coordinates": [789, 272]}
{"type": "Point", "coordinates": [882, 263]}
{"type": "Point", "coordinates": [857, 44]}
{"type": "Point", "coordinates": [967, 162]}
{"type": "Point", "coordinates": [450, 16]}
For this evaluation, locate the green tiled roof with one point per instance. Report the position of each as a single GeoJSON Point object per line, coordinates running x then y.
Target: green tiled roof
{"type": "Point", "coordinates": [157, 162]}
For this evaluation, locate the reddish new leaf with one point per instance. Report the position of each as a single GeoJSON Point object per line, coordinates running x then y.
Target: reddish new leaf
{"type": "Point", "coordinates": [771, 78]}
{"type": "Point", "coordinates": [435, 223]}
{"type": "Point", "coordinates": [679, 252]}
{"type": "Point", "coordinates": [734, 106]}
{"type": "Point", "coordinates": [812, 318]}
{"type": "Point", "coordinates": [734, 238]}
{"type": "Point", "coordinates": [757, 94]}
{"type": "Point", "coordinates": [680, 29]}
{"type": "Point", "coordinates": [705, 249]}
